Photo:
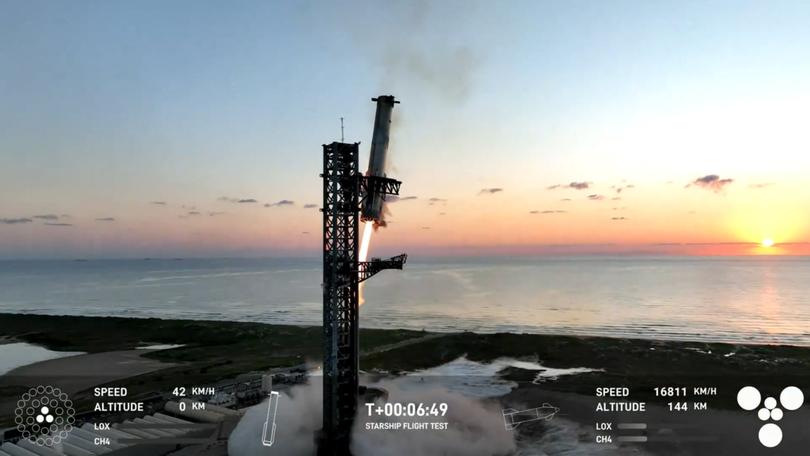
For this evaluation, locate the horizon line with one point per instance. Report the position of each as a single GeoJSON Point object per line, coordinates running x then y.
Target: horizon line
{"type": "Point", "coordinates": [431, 256]}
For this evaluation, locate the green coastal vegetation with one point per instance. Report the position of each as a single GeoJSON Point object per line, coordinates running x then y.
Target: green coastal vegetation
{"type": "Point", "coordinates": [216, 350]}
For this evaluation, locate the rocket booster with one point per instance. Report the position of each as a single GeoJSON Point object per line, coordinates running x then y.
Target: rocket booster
{"type": "Point", "coordinates": [373, 208]}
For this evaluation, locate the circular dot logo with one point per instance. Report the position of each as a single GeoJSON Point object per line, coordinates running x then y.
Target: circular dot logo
{"type": "Point", "coordinates": [791, 398]}
{"type": "Point", "coordinates": [44, 415]}
{"type": "Point", "coordinates": [770, 435]}
{"type": "Point", "coordinates": [749, 398]}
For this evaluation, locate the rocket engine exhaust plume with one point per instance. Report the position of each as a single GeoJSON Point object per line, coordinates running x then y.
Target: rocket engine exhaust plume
{"type": "Point", "coordinates": [365, 241]}
{"type": "Point", "coordinates": [363, 255]}
{"type": "Point", "coordinates": [373, 210]}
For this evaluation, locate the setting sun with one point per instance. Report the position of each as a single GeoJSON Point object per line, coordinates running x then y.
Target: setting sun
{"type": "Point", "coordinates": [767, 243]}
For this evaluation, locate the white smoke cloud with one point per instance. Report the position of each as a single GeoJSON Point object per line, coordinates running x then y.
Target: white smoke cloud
{"type": "Point", "coordinates": [297, 418]}
{"type": "Point", "coordinates": [475, 427]}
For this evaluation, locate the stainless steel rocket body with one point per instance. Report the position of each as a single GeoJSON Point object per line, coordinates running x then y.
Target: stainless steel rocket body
{"type": "Point", "coordinates": [373, 209]}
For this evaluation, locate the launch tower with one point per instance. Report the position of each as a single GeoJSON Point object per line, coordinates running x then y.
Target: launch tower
{"type": "Point", "coordinates": [348, 198]}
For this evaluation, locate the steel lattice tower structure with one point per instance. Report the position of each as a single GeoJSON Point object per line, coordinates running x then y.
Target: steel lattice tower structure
{"type": "Point", "coordinates": [344, 191]}
{"type": "Point", "coordinates": [341, 199]}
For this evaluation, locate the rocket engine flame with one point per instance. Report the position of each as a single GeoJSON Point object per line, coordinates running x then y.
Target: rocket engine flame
{"type": "Point", "coordinates": [365, 241]}
{"type": "Point", "coordinates": [362, 255]}
{"type": "Point", "coordinates": [374, 207]}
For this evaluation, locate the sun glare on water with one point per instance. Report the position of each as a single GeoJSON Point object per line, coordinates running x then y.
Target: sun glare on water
{"type": "Point", "coordinates": [767, 243]}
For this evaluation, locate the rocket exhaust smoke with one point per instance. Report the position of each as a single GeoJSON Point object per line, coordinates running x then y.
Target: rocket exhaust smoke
{"type": "Point", "coordinates": [474, 427]}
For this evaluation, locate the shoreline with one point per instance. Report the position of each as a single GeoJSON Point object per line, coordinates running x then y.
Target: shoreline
{"type": "Point", "coordinates": [4, 340]}
{"type": "Point", "coordinates": [284, 345]}
{"type": "Point", "coordinates": [547, 333]}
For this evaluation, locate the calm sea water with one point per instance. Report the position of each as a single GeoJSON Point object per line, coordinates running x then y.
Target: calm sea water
{"type": "Point", "coordinates": [755, 300]}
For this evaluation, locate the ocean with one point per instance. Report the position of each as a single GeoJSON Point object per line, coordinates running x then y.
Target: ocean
{"type": "Point", "coordinates": [719, 299]}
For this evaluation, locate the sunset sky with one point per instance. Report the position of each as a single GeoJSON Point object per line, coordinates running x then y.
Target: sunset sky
{"type": "Point", "coordinates": [191, 128]}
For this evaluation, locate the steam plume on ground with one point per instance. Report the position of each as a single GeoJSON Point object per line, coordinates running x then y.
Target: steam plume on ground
{"type": "Point", "coordinates": [297, 418]}
{"type": "Point", "coordinates": [475, 427]}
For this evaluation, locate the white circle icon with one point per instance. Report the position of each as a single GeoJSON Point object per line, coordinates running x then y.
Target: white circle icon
{"type": "Point", "coordinates": [770, 403]}
{"type": "Point", "coordinates": [770, 435]}
{"type": "Point", "coordinates": [791, 398]}
{"type": "Point", "coordinates": [776, 414]}
{"type": "Point", "coordinates": [749, 398]}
